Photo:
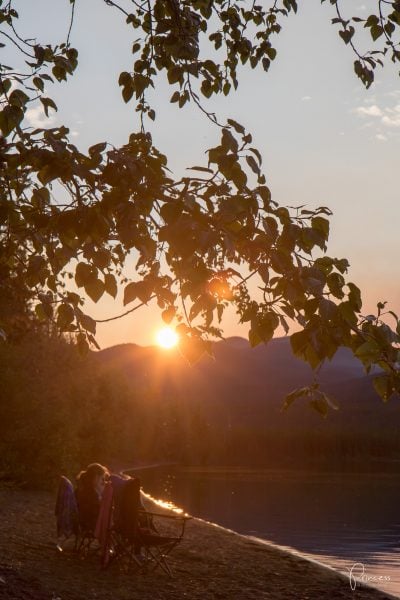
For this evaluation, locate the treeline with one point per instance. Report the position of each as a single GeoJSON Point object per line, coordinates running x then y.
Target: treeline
{"type": "Point", "coordinates": [60, 411]}
{"type": "Point", "coordinates": [308, 449]}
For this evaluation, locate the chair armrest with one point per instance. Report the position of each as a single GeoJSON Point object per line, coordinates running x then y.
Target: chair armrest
{"type": "Point", "coordinates": [175, 517]}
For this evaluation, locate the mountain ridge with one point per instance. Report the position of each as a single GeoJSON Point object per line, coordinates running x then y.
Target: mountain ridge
{"type": "Point", "coordinates": [247, 385]}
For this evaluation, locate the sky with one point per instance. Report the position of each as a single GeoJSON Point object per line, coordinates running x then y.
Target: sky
{"type": "Point", "coordinates": [325, 140]}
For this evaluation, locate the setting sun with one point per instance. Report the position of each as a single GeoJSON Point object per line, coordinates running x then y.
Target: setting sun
{"type": "Point", "coordinates": [167, 338]}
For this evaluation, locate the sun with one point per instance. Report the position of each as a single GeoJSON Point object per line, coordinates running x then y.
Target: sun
{"type": "Point", "coordinates": [167, 338]}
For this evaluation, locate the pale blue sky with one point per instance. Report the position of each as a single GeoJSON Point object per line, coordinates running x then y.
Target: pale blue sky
{"type": "Point", "coordinates": [324, 138]}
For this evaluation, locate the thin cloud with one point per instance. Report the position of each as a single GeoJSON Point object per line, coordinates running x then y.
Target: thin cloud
{"type": "Point", "coordinates": [393, 94]}
{"type": "Point", "coordinates": [370, 100]}
{"type": "Point", "coordinates": [306, 98]}
{"type": "Point", "coordinates": [35, 117]}
{"type": "Point", "coordinates": [369, 111]}
{"type": "Point", "coordinates": [387, 117]}
{"type": "Point", "coordinates": [391, 121]}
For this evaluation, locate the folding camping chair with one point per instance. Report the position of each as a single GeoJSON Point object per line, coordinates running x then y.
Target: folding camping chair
{"type": "Point", "coordinates": [66, 513]}
{"type": "Point", "coordinates": [142, 539]}
{"type": "Point", "coordinates": [157, 544]}
{"type": "Point", "coordinates": [69, 525]}
{"type": "Point", "coordinates": [125, 532]}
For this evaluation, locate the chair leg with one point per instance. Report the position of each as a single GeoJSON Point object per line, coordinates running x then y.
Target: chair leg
{"type": "Point", "coordinates": [159, 556]}
{"type": "Point", "coordinates": [155, 556]}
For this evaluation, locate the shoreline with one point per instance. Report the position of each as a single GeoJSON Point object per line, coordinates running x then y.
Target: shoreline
{"type": "Point", "coordinates": [381, 467]}
{"type": "Point", "coordinates": [211, 563]}
{"type": "Point", "coordinates": [317, 562]}
{"type": "Point", "coordinates": [297, 553]}
{"type": "Point", "coordinates": [317, 469]}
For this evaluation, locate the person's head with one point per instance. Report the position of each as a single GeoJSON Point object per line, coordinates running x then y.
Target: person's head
{"type": "Point", "coordinates": [94, 476]}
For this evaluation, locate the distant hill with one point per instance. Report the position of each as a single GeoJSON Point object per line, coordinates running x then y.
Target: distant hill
{"type": "Point", "coordinates": [131, 405]}
{"type": "Point", "coordinates": [244, 387]}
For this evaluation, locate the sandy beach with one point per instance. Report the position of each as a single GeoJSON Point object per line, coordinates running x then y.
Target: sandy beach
{"type": "Point", "coordinates": [210, 563]}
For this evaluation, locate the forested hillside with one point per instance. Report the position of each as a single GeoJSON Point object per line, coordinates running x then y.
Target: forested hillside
{"type": "Point", "coordinates": [130, 405]}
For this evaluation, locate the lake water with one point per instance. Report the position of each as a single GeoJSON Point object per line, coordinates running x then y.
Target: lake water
{"type": "Point", "coordinates": [337, 519]}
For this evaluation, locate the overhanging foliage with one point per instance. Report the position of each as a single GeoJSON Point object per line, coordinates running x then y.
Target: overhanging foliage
{"type": "Point", "coordinates": [198, 240]}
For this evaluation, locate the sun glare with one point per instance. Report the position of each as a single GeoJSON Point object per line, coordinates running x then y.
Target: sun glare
{"type": "Point", "coordinates": [167, 338]}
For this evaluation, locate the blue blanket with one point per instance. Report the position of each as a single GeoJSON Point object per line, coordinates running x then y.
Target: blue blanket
{"type": "Point", "coordinates": [66, 510]}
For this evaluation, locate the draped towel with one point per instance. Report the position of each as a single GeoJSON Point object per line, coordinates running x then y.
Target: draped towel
{"type": "Point", "coordinates": [104, 522]}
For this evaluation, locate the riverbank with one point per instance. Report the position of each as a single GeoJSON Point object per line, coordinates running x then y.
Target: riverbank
{"type": "Point", "coordinates": [211, 563]}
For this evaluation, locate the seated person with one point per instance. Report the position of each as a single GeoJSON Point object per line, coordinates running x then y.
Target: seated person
{"type": "Point", "coordinates": [90, 486]}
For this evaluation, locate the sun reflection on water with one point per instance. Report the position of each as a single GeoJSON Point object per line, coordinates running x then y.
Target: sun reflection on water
{"type": "Point", "coordinates": [167, 505]}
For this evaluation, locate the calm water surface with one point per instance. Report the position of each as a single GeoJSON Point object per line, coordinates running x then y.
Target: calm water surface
{"type": "Point", "coordinates": [337, 519]}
